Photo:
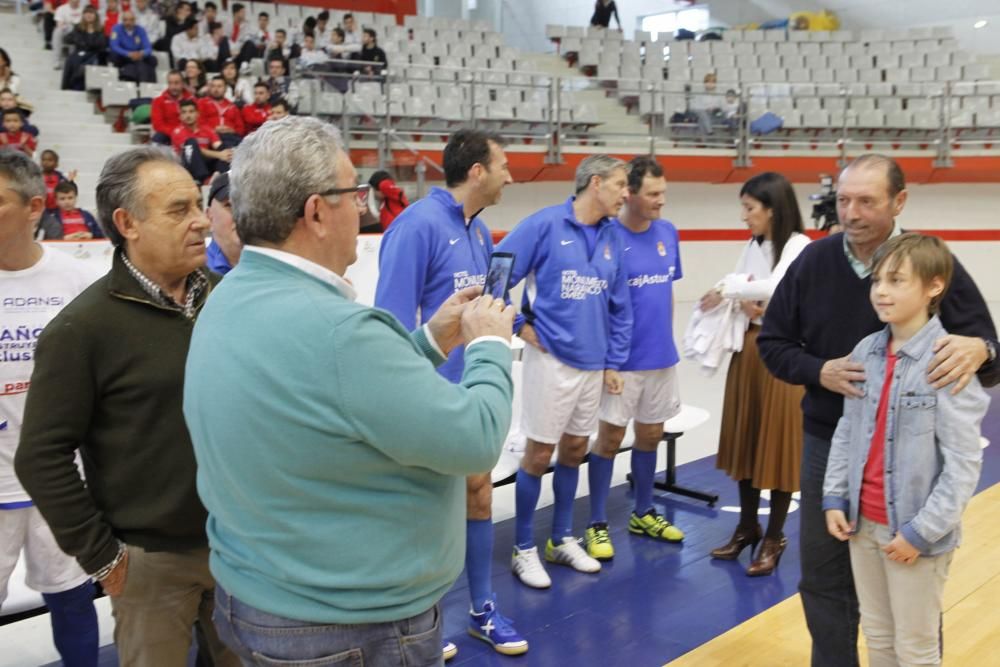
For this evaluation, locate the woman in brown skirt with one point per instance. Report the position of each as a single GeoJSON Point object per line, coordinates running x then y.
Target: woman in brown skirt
{"type": "Point", "coordinates": [761, 441]}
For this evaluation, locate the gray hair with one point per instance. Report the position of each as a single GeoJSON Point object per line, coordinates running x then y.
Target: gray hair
{"type": "Point", "coordinates": [275, 170]}
{"type": "Point", "coordinates": [118, 186]}
{"type": "Point", "coordinates": [596, 165]}
{"type": "Point", "coordinates": [23, 175]}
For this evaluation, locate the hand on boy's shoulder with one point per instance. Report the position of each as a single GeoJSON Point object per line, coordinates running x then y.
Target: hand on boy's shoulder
{"type": "Point", "coordinates": [956, 361]}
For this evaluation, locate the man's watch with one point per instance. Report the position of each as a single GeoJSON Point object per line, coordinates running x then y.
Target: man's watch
{"type": "Point", "coordinates": [991, 350]}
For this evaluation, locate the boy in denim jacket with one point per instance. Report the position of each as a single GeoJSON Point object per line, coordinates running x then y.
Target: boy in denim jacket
{"type": "Point", "coordinates": [905, 459]}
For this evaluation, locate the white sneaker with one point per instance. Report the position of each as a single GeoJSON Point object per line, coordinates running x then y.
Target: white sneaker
{"type": "Point", "coordinates": [571, 553]}
{"type": "Point", "coordinates": [448, 650]}
{"type": "Point", "coordinates": [529, 569]}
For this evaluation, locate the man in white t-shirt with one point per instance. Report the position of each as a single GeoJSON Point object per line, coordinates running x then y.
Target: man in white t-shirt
{"type": "Point", "coordinates": [66, 17]}
{"type": "Point", "coordinates": [35, 283]}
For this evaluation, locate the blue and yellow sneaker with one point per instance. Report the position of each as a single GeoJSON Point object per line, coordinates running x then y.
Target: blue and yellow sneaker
{"type": "Point", "coordinates": [599, 542]}
{"type": "Point", "coordinates": [653, 525]}
{"type": "Point", "coordinates": [496, 630]}
{"type": "Point", "coordinates": [448, 650]}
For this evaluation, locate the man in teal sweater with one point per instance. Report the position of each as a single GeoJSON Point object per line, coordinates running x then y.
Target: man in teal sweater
{"type": "Point", "coordinates": [331, 456]}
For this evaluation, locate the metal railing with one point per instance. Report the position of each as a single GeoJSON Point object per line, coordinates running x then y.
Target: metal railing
{"type": "Point", "coordinates": [559, 112]}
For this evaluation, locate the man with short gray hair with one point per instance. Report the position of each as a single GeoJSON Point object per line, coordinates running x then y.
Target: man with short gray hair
{"type": "Point", "coordinates": [108, 377]}
{"type": "Point", "coordinates": [334, 476]}
{"type": "Point", "coordinates": [577, 321]}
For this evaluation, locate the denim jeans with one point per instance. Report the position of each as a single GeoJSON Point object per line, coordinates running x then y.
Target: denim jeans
{"type": "Point", "coordinates": [827, 586]}
{"type": "Point", "coordinates": [260, 638]}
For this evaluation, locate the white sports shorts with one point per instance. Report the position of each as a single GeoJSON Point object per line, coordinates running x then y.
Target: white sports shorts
{"type": "Point", "coordinates": [557, 398]}
{"type": "Point", "coordinates": [649, 397]}
{"type": "Point", "coordinates": [48, 569]}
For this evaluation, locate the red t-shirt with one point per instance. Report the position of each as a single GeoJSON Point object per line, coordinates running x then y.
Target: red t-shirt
{"type": "Point", "coordinates": [22, 141]}
{"type": "Point", "coordinates": [206, 137]}
{"type": "Point", "coordinates": [73, 222]}
{"type": "Point", "coordinates": [166, 112]}
{"type": "Point", "coordinates": [393, 204]}
{"type": "Point", "coordinates": [873, 480]}
{"type": "Point", "coordinates": [51, 181]}
{"type": "Point", "coordinates": [255, 116]}
{"type": "Point", "coordinates": [110, 21]}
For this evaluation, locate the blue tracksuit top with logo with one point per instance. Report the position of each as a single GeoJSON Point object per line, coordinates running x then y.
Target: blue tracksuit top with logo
{"type": "Point", "coordinates": [577, 300]}
{"type": "Point", "coordinates": [428, 254]}
{"type": "Point", "coordinates": [653, 263]}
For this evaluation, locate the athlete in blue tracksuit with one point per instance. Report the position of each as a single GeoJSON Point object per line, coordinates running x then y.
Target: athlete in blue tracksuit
{"type": "Point", "coordinates": [578, 320]}
{"type": "Point", "coordinates": [435, 247]}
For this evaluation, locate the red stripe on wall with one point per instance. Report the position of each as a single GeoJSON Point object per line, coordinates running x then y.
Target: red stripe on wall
{"type": "Point", "coordinates": [741, 235]}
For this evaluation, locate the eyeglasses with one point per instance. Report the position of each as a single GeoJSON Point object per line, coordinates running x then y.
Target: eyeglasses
{"type": "Point", "coordinates": [360, 193]}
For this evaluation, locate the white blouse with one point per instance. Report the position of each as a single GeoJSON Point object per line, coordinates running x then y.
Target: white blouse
{"type": "Point", "coordinates": [756, 261]}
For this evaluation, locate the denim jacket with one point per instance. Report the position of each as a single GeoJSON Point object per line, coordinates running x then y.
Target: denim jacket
{"type": "Point", "coordinates": [932, 451]}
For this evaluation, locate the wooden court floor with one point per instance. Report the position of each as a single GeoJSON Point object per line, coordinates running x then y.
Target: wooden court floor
{"type": "Point", "coordinates": [778, 636]}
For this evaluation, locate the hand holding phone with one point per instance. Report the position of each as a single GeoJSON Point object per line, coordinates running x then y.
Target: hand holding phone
{"type": "Point", "coordinates": [498, 275]}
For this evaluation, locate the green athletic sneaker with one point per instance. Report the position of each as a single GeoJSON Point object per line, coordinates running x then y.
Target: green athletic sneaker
{"type": "Point", "coordinates": [599, 542]}
{"type": "Point", "coordinates": [653, 525]}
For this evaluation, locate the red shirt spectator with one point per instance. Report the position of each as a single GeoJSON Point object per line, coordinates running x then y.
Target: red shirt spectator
{"type": "Point", "coordinates": [73, 222]}
{"type": "Point", "coordinates": [205, 137]}
{"type": "Point", "coordinates": [21, 141]}
{"type": "Point", "coordinates": [166, 109]}
{"type": "Point", "coordinates": [51, 181]}
{"type": "Point", "coordinates": [391, 198]}
{"type": "Point", "coordinates": [255, 115]}
{"type": "Point", "coordinates": [214, 112]}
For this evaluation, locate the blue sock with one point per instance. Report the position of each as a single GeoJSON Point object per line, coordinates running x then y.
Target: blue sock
{"type": "Point", "coordinates": [74, 625]}
{"type": "Point", "coordinates": [564, 481]}
{"type": "Point", "coordinates": [643, 471]}
{"type": "Point", "coordinates": [479, 560]}
{"type": "Point", "coordinates": [527, 488]}
{"type": "Point", "coordinates": [599, 471]}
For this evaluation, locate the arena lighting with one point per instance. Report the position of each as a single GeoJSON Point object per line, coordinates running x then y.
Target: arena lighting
{"type": "Point", "coordinates": [981, 23]}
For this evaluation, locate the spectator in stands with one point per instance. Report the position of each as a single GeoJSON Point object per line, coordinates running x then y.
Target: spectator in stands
{"type": "Point", "coordinates": [199, 147]}
{"type": "Point", "coordinates": [131, 51]}
{"type": "Point", "coordinates": [111, 16]}
{"type": "Point", "coordinates": [257, 41]}
{"type": "Point", "coordinates": [239, 90]}
{"type": "Point", "coordinates": [324, 453]}
{"type": "Point", "coordinates": [352, 34]}
{"type": "Point", "coordinates": [47, 279]}
{"type": "Point", "coordinates": [371, 53]}
{"type": "Point", "coordinates": [603, 11]}
{"type": "Point", "coordinates": [174, 24]}
{"type": "Point", "coordinates": [52, 176]}
{"type": "Point", "coordinates": [14, 136]}
{"type": "Point", "coordinates": [707, 106]}
{"type": "Point", "coordinates": [66, 18]}
{"type": "Point", "coordinates": [215, 49]}
{"type": "Point", "coordinates": [66, 221]}
{"type": "Point", "coordinates": [224, 251]}
{"type": "Point", "coordinates": [279, 110]}
{"type": "Point", "coordinates": [88, 46]}
{"type": "Point", "coordinates": [312, 57]}
{"type": "Point", "coordinates": [109, 377]}
{"type": "Point", "coordinates": [390, 197]}
{"type": "Point", "coordinates": [280, 84]}
{"type": "Point", "coordinates": [195, 78]}
{"type": "Point", "coordinates": [731, 109]}
{"type": "Point", "coordinates": [320, 27]}
{"type": "Point", "coordinates": [281, 48]}
{"type": "Point", "coordinates": [337, 46]}
{"type": "Point", "coordinates": [220, 114]}
{"type": "Point", "coordinates": [9, 101]}
{"type": "Point", "coordinates": [186, 45]}
{"type": "Point", "coordinates": [256, 114]}
{"type": "Point", "coordinates": [149, 20]}
{"type": "Point", "coordinates": [8, 79]}
{"type": "Point", "coordinates": [209, 15]}
{"type": "Point", "coordinates": [166, 109]}
{"type": "Point", "coordinates": [241, 28]}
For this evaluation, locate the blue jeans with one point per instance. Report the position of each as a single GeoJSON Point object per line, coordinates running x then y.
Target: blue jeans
{"type": "Point", "coordinates": [260, 638]}
{"type": "Point", "coordinates": [827, 586]}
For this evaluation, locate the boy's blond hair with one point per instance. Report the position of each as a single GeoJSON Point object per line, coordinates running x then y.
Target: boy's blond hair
{"type": "Point", "coordinates": [929, 257]}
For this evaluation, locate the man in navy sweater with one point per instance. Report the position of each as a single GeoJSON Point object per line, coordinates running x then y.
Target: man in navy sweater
{"type": "Point", "coordinates": [819, 312]}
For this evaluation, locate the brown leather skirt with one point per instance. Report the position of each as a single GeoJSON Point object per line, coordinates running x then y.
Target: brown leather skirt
{"type": "Point", "coordinates": [761, 437]}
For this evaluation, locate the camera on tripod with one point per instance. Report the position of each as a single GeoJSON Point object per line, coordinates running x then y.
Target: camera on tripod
{"type": "Point", "coordinates": [824, 212]}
